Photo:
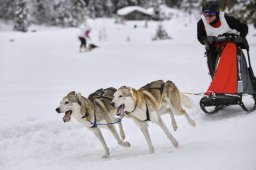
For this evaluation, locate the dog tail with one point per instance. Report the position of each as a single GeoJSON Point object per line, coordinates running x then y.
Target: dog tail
{"type": "Point", "coordinates": [186, 101]}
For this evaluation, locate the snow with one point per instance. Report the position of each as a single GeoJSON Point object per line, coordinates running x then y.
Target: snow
{"type": "Point", "coordinates": [129, 9]}
{"type": "Point", "coordinates": [37, 69]}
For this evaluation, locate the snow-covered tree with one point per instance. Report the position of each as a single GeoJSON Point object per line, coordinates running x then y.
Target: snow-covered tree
{"type": "Point", "coordinates": [156, 7]}
{"type": "Point", "coordinates": [39, 12]}
{"type": "Point", "coordinates": [141, 3]}
{"type": "Point", "coordinates": [72, 12]}
{"type": "Point", "coordinates": [161, 33]}
{"type": "Point", "coordinates": [108, 8]}
{"type": "Point", "coordinates": [61, 13]}
{"type": "Point", "coordinates": [21, 15]}
{"type": "Point", "coordinates": [242, 9]}
{"type": "Point", "coordinates": [249, 12]}
{"type": "Point", "coordinates": [96, 8]}
{"type": "Point", "coordinates": [122, 3]}
{"type": "Point", "coordinates": [78, 12]}
{"type": "Point", "coordinates": [190, 6]}
{"type": "Point", "coordinates": [173, 3]}
{"type": "Point", "coordinates": [7, 10]}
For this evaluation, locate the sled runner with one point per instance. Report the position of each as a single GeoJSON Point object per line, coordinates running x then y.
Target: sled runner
{"type": "Point", "coordinates": [233, 77]}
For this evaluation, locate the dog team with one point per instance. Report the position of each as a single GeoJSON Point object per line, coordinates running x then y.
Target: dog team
{"type": "Point", "coordinates": [105, 108]}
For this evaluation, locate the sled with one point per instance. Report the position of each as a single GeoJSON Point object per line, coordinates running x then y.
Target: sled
{"type": "Point", "coordinates": [233, 77]}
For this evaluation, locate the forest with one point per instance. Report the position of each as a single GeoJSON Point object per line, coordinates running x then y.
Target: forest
{"type": "Point", "coordinates": [71, 13]}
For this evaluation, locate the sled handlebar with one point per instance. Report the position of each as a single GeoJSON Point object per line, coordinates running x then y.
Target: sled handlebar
{"type": "Point", "coordinates": [238, 40]}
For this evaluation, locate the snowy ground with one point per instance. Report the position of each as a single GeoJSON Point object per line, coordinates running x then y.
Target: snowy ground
{"type": "Point", "coordinates": [38, 68]}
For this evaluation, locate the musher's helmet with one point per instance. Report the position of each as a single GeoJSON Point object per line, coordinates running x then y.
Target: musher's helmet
{"type": "Point", "coordinates": [211, 6]}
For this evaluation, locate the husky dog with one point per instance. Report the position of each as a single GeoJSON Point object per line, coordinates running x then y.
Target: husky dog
{"type": "Point", "coordinates": [148, 104]}
{"type": "Point", "coordinates": [90, 47]}
{"type": "Point", "coordinates": [94, 112]}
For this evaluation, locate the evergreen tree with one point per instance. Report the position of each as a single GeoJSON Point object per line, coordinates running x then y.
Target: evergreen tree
{"type": "Point", "coordinates": [78, 12]}
{"type": "Point", "coordinates": [190, 5]}
{"type": "Point", "coordinates": [21, 23]}
{"type": "Point", "coordinates": [228, 4]}
{"type": "Point", "coordinates": [72, 12]}
{"type": "Point", "coordinates": [157, 13]}
{"type": "Point", "coordinates": [39, 12]}
{"type": "Point", "coordinates": [61, 13]}
{"type": "Point", "coordinates": [242, 9]}
{"type": "Point", "coordinates": [108, 8]}
{"type": "Point", "coordinates": [122, 3]}
{"type": "Point", "coordinates": [173, 3]}
{"type": "Point", "coordinates": [96, 8]}
{"type": "Point", "coordinates": [114, 3]}
{"type": "Point", "coordinates": [161, 33]}
{"type": "Point", "coordinates": [249, 12]}
{"type": "Point", "coordinates": [142, 3]}
{"type": "Point", "coordinates": [7, 10]}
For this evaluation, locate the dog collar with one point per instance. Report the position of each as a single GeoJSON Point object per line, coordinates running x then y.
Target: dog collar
{"type": "Point", "coordinates": [94, 123]}
{"type": "Point", "coordinates": [126, 112]}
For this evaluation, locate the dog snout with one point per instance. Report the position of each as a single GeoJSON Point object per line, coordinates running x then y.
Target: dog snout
{"type": "Point", "coordinates": [57, 110]}
{"type": "Point", "coordinates": [112, 104]}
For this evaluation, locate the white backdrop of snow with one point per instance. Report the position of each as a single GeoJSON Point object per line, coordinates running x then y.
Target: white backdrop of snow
{"type": "Point", "coordinates": [38, 68]}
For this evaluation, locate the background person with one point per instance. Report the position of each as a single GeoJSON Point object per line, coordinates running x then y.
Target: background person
{"type": "Point", "coordinates": [84, 36]}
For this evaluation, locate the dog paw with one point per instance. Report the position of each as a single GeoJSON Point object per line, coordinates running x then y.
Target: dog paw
{"type": "Point", "coordinates": [106, 153]}
{"type": "Point", "coordinates": [105, 156]}
{"type": "Point", "coordinates": [176, 144]}
{"type": "Point", "coordinates": [192, 123]}
{"type": "Point", "coordinates": [122, 136]}
{"type": "Point", "coordinates": [175, 128]}
{"type": "Point", "coordinates": [125, 144]}
{"type": "Point", "coordinates": [151, 150]}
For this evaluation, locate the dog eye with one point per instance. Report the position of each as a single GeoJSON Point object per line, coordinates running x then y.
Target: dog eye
{"type": "Point", "coordinates": [120, 96]}
{"type": "Point", "coordinates": [67, 102]}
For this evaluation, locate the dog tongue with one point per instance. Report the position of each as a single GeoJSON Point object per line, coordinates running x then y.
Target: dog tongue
{"type": "Point", "coordinates": [120, 111]}
{"type": "Point", "coordinates": [67, 117]}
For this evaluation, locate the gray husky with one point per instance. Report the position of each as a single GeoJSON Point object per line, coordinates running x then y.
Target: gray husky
{"type": "Point", "coordinates": [94, 112]}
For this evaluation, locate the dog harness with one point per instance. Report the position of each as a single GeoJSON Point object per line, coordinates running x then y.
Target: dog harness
{"type": "Point", "coordinates": [147, 87]}
{"type": "Point", "coordinates": [161, 92]}
{"type": "Point", "coordinates": [95, 124]}
{"type": "Point", "coordinates": [147, 112]}
{"type": "Point", "coordinates": [161, 88]}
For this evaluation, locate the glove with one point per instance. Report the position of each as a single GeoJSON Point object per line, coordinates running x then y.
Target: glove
{"type": "Point", "coordinates": [241, 41]}
{"type": "Point", "coordinates": [210, 39]}
{"type": "Point", "coordinates": [207, 47]}
{"type": "Point", "coordinates": [237, 39]}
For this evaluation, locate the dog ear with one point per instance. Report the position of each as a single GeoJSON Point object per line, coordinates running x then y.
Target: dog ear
{"type": "Point", "coordinates": [79, 98]}
{"type": "Point", "coordinates": [81, 102]}
{"type": "Point", "coordinates": [130, 90]}
{"type": "Point", "coordinates": [78, 94]}
{"type": "Point", "coordinates": [72, 93]}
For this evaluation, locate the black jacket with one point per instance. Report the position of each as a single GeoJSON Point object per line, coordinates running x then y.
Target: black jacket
{"type": "Point", "coordinates": [232, 22]}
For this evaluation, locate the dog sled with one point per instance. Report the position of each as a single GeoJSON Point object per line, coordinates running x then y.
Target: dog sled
{"type": "Point", "coordinates": [233, 77]}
